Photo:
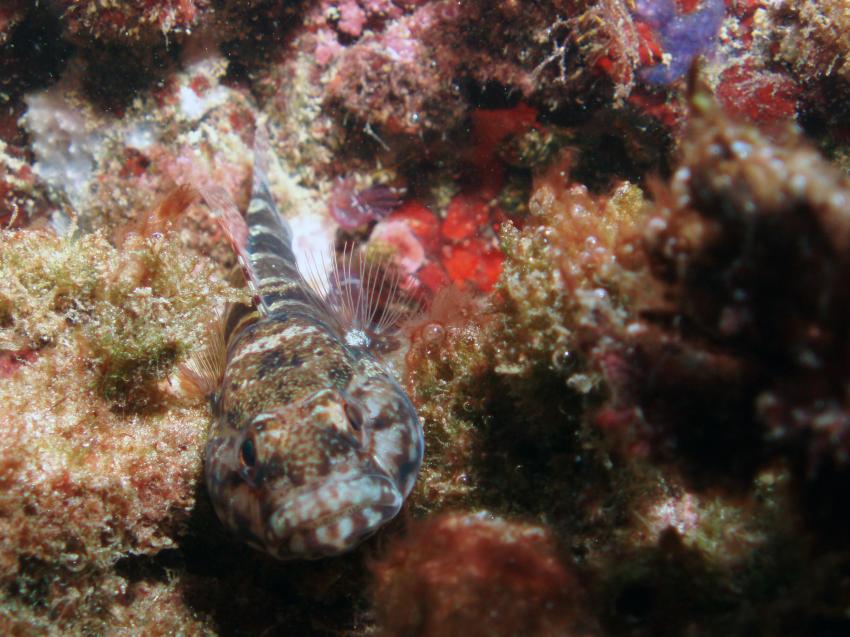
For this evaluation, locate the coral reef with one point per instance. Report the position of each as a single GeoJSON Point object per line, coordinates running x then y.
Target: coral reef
{"type": "Point", "coordinates": [138, 21]}
{"type": "Point", "coordinates": [625, 222]}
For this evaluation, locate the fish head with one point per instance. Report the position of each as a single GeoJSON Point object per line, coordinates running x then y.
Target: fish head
{"type": "Point", "coordinates": [318, 475]}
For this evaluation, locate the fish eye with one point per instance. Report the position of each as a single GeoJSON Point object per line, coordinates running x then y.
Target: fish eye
{"type": "Point", "coordinates": [355, 416]}
{"type": "Point", "coordinates": [248, 453]}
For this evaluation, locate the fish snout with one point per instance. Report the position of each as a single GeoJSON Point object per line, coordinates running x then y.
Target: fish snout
{"type": "Point", "coordinates": [334, 517]}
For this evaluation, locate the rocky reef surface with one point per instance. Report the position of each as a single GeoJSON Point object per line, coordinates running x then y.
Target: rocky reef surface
{"type": "Point", "coordinates": [631, 223]}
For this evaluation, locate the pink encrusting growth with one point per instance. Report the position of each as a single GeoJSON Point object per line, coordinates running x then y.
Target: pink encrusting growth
{"type": "Point", "coordinates": [353, 207]}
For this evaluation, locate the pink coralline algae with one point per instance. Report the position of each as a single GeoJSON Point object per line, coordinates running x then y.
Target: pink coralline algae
{"type": "Point", "coordinates": [381, 79]}
{"type": "Point", "coordinates": [352, 207]}
{"type": "Point", "coordinates": [409, 254]}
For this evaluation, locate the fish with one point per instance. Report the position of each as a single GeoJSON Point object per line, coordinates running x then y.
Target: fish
{"type": "Point", "coordinates": [313, 444]}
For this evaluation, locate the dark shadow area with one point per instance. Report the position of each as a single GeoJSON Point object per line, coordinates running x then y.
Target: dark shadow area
{"type": "Point", "coordinates": [115, 75]}
{"type": "Point", "coordinates": [246, 592]}
{"type": "Point", "coordinates": [35, 54]}
{"type": "Point", "coordinates": [34, 57]}
{"type": "Point", "coordinates": [265, 33]}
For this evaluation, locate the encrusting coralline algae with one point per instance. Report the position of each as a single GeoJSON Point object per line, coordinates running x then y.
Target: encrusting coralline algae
{"type": "Point", "coordinates": [625, 222]}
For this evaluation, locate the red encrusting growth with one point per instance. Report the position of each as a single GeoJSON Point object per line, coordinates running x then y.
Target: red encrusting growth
{"type": "Point", "coordinates": [460, 249]}
{"type": "Point", "coordinates": [11, 362]}
{"type": "Point", "coordinates": [465, 217]}
{"type": "Point", "coordinates": [649, 48]}
{"type": "Point", "coordinates": [477, 262]}
{"type": "Point", "coordinates": [200, 85]}
{"type": "Point", "coordinates": [422, 221]}
{"type": "Point", "coordinates": [513, 581]}
{"type": "Point", "coordinates": [136, 163]}
{"type": "Point", "coordinates": [762, 96]}
{"type": "Point", "coordinates": [489, 129]}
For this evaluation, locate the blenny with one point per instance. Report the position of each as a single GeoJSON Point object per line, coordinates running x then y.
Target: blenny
{"type": "Point", "coordinates": [313, 444]}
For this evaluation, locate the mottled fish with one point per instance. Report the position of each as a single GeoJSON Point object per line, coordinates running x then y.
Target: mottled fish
{"type": "Point", "coordinates": [313, 444]}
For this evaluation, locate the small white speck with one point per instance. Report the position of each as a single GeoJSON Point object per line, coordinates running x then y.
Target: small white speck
{"type": "Point", "coordinates": [323, 535]}
{"type": "Point", "coordinates": [344, 528]}
{"type": "Point", "coordinates": [741, 149]}
{"type": "Point", "coordinates": [356, 338]}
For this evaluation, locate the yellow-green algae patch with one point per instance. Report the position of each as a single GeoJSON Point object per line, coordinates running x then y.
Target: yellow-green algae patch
{"type": "Point", "coordinates": [510, 372]}
{"type": "Point", "coordinates": [99, 459]}
{"type": "Point", "coordinates": [132, 312]}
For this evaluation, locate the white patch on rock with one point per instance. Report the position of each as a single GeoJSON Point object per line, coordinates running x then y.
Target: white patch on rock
{"type": "Point", "coordinates": [141, 135]}
{"type": "Point", "coordinates": [64, 140]}
{"type": "Point", "coordinates": [195, 106]}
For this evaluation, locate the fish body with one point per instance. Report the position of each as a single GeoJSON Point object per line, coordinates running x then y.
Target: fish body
{"type": "Point", "coordinates": [313, 444]}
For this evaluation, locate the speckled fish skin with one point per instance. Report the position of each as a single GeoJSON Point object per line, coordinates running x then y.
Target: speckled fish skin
{"type": "Point", "coordinates": [313, 445]}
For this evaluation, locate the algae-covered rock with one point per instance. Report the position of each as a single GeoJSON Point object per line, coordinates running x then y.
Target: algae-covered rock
{"type": "Point", "coordinates": [99, 459]}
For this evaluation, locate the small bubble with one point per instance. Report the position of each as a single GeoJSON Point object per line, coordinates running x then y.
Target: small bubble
{"type": "Point", "coordinates": [73, 562]}
{"type": "Point", "coordinates": [563, 359]}
{"type": "Point", "coordinates": [433, 333]}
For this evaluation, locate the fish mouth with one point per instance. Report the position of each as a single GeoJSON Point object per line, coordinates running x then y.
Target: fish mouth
{"type": "Point", "coordinates": [334, 517]}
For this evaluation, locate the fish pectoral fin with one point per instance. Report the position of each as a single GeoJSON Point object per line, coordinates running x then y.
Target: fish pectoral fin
{"type": "Point", "coordinates": [201, 375]}
{"type": "Point", "coordinates": [369, 292]}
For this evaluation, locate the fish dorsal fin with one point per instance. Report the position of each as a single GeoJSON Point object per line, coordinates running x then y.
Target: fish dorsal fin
{"type": "Point", "coordinates": [262, 240]}
{"type": "Point", "coordinates": [367, 296]}
{"type": "Point", "coordinates": [269, 242]}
